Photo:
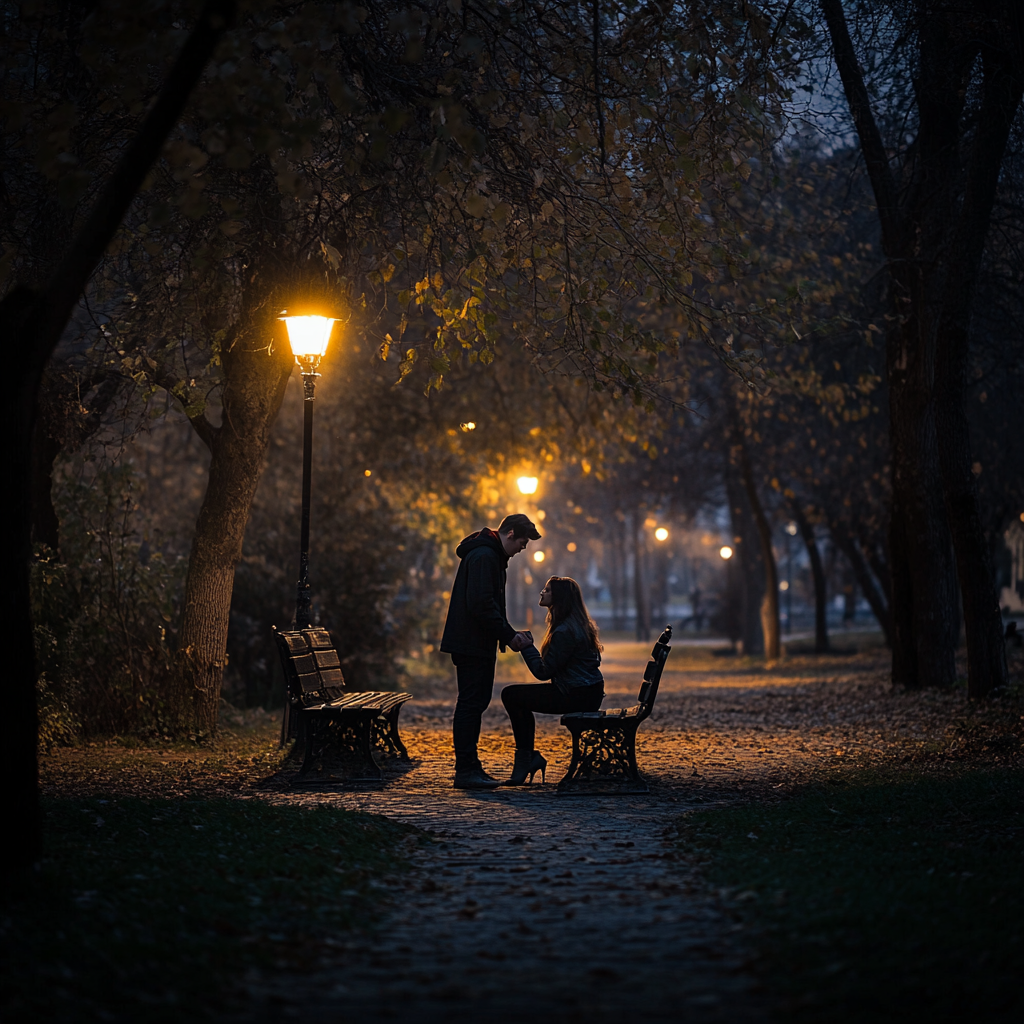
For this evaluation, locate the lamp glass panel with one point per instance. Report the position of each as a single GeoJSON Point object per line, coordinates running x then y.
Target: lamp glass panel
{"type": "Point", "coordinates": [309, 335]}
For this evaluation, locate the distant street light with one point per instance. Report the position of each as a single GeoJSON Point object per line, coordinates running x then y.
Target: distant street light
{"type": "Point", "coordinates": [726, 552]}
{"type": "Point", "coordinates": [661, 533]}
{"type": "Point", "coordinates": [308, 336]}
{"type": "Point", "coordinates": [527, 484]}
{"type": "Point", "coordinates": [538, 556]}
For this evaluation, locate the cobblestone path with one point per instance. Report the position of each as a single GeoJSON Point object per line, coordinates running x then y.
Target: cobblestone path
{"type": "Point", "coordinates": [530, 907]}
{"type": "Point", "coordinates": [533, 906]}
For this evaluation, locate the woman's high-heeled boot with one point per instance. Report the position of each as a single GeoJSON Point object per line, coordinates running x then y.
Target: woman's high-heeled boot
{"type": "Point", "coordinates": [527, 763]}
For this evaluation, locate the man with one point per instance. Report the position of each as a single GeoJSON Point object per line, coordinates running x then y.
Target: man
{"type": "Point", "coordinates": [476, 624]}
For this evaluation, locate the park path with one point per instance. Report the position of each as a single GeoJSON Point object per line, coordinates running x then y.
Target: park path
{"type": "Point", "coordinates": [529, 906]}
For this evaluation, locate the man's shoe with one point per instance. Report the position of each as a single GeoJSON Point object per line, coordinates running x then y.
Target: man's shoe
{"type": "Point", "coordinates": [475, 778]}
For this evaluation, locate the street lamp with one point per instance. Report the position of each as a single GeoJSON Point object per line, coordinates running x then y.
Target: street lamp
{"type": "Point", "coordinates": [661, 533]}
{"type": "Point", "coordinates": [308, 336]}
{"type": "Point", "coordinates": [726, 552]}
{"type": "Point", "coordinates": [527, 484]}
{"type": "Point", "coordinates": [788, 588]}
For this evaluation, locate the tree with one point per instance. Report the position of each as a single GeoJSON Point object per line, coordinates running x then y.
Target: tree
{"type": "Point", "coordinates": [37, 319]}
{"type": "Point", "coordinates": [934, 198]}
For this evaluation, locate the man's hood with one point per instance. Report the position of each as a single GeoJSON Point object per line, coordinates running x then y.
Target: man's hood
{"type": "Point", "coordinates": [481, 539]}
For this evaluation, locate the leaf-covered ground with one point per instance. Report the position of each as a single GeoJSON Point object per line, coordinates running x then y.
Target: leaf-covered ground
{"type": "Point", "coordinates": [836, 774]}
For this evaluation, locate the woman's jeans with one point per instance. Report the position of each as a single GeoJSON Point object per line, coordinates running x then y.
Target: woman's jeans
{"type": "Point", "coordinates": [522, 701]}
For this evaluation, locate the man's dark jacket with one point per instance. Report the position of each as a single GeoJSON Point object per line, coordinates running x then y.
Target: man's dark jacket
{"type": "Point", "coordinates": [476, 613]}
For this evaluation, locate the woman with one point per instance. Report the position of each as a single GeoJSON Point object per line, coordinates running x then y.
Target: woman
{"type": "Point", "coordinates": [570, 656]}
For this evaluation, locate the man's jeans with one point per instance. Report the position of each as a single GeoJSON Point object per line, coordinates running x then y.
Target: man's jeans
{"type": "Point", "coordinates": [476, 684]}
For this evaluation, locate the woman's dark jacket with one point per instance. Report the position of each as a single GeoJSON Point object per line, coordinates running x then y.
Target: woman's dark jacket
{"type": "Point", "coordinates": [476, 612]}
{"type": "Point", "coordinates": [571, 660]}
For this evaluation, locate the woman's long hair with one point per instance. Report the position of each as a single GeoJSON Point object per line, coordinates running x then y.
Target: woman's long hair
{"type": "Point", "coordinates": [567, 603]}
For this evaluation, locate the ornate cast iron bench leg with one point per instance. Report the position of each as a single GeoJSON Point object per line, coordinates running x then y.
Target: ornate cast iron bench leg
{"type": "Point", "coordinates": [339, 748]}
{"type": "Point", "coordinates": [603, 758]}
{"type": "Point", "coordinates": [386, 736]}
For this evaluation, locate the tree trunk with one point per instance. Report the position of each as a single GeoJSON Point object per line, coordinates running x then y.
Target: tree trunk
{"type": "Point", "coordinates": [770, 599]}
{"type": "Point", "coordinates": [617, 574]}
{"type": "Point", "coordinates": [986, 651]}
{"type": "Point", "coordinates": [818, 575]}
{"type": "Point", "coordinates": [747, 576]}
{"type": "Point", "coordinates": [641, 597]}
{"type": "Point", "coordinates": [914, 219]}
{"type": "Point", "coordinates": [254, 386]}
{"type": "Point", "coordinates": [849, 547]}
{"type": "Point", "coordinates": [924, 595]}
{"type": "Point", "coordinates": [33, 322]}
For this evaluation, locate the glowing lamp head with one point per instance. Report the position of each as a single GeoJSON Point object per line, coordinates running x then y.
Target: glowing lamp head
{"type": "Point", "coordinates": [661, 533]}
{"type": "Point", "coordinates": [308, 335]}
{"type": "Point", "coordinates": [791, 529]}
{"type": "Point", "coordinates": [527, 485]}
{"type": "Point", "coordinates": [726, 552]}
{"type": "Point", "coordinates": [538, 556]}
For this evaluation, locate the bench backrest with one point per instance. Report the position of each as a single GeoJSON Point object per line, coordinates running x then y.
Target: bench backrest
{"type": "Point", "coordinates": [311, 665]}
{"type": "Point", "coordinates": [652, 674]}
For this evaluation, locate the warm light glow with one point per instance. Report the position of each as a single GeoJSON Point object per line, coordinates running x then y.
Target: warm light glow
{"type": "Point", "coordinates": [791, 529]}
{"type": "Point", "coordinates": [726, 552]}
{"type": "Point", "coordinates": [527, 485]}
{"type": "Point", "coordinates": [661, 533]}
{"type": "Point", "coordinates": [784, 585]}
{"type": "Point", "coordinates": [571, 546]}
{"type": "Point", "coordinates": [308, 335]}
{"type": "Point", "coordinates": [468, 426]}
{"type": "Point", "coordinates": [367, 472]}
{"type": "Point", "coordinates": [538, 556]}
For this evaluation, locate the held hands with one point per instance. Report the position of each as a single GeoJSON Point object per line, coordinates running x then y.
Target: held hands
{"type": "Point", "coordinates": [524, 638]}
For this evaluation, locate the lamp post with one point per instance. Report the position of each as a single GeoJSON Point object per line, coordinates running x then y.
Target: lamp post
{"type": "Point", "coordinates": [308, 336]}
{"type": "Point", "coordinates": [733, 613]}
{"type": "Point", "coordinates": [790, 534]}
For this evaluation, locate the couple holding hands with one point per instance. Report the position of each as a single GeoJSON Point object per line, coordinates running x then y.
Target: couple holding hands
{"type": "Point", "coordinates": [569, 656]}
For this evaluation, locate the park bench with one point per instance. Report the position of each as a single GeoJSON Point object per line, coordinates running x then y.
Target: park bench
{"type": "Point", "coordinates": [604, 742]}
{"type": "Point", "coordinates": [337, 731]}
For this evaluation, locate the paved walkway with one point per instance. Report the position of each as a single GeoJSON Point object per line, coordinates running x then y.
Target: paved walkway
{"type": "Point", "coordinates": [530, 906]}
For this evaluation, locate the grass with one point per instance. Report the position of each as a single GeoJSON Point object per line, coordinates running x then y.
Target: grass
{"type": "Point", "coordinates": [154, 910]}
{"type": "Point", "coordinates": [881, 897]}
